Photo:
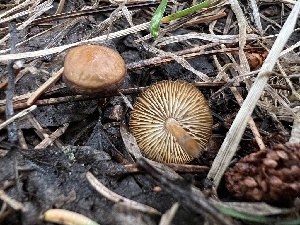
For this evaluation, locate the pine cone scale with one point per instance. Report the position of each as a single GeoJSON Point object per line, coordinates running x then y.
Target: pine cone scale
{"type": "Point", "coordinates": [271, 175]}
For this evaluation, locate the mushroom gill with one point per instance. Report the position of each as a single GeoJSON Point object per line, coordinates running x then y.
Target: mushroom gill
{"type": "Point", "coordinates": [171, 122]}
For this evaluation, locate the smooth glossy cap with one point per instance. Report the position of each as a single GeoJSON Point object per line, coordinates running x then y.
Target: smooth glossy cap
{"type": "Point", "coordinates": [92, 69]}
{"type": "Point", "coordinates": [150, 119]}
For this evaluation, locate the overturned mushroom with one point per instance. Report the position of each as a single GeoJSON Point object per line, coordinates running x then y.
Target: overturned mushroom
{"type": "Point", "coordinates": [90, 69]}
{"type": "Point", "coordinates": [171, 122]}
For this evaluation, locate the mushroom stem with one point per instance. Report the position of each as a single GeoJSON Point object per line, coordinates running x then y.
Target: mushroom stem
{"type": "Point", "coordinates": [186, 141]}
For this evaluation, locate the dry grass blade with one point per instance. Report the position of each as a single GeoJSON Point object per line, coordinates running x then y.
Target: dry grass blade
{"type": "Point", "coordinates": [45, 86]}
{"type": "Point", "coordinates": [12, 202]}
{"type": "Point", "coordinates": [117, 198]}
{"type": "Point", "coordinates": [100, 39]}
{"type": "Point", "coordinates": [178, 59]}
{"type": "Point", "coordinates": [295, 133]}
{"type": "Point", "coordinates": [69, 133]}
{"type": "Point", "coordinates": [243, 27]}
{"type": "Point", "coordinates": [291, 48]}
{"type": "Point", "coordinates": [60, 7]}
{"type": "Point", "coordinates": [167, 218]}
{"type": "Point", "coordinates": [229, 39]}
{"type": "Point", "coordinates": [236, 131]}
{"type": "Point", "coordinates": [16, 8]}
{"type": "Point", "coordinates": [17, 15]}
{"type": "Point", "coordinates": [37, 11]}
{"type": "Point", "coordinates": [129, 141]}
{"type": "Point", "coordinates": [256, 16]}
{"type": "Point", "coordinates": [17, 116]}
{"type": "Point", "coordinates": [277, 97]}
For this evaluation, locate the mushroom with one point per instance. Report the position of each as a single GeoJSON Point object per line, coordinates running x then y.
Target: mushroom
{"type": "Point", "coordinates": [171, 122]}
{"type": "Point", "coordinates": [92, 69]}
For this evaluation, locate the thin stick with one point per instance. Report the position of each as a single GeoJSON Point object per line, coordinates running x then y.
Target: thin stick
{"type": "Point", "coordinates": [179, 168]}
{"type": "Point", "coordinates": [60, 7]}
{"type": "Point", "coordinates": [236, 93]}
{"type": "Point", "coordinates": [42, 89]}
{"type": "Point", "coordinates": [52, 137]}
{"type": "Point", "coordinates": [20, 101]}
{"type": "Point", "coordinates": [238, 126]}
{"type": "Point", "coordinates": [251, 122]}
{"type": "Point", "coordinates": [205, 19]}
{"type": "Point", "coordinates": [17, 116]}
{"type": "Point", "coordinates": [22, 141]}
{"type": "Point", "coordinates": [12, 128]}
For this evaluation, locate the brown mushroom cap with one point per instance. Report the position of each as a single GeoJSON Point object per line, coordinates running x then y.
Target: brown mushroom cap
{"type": "Point", "coordinates": [180, 102]}
{"type": "Point", "coordinates": [92, 69]}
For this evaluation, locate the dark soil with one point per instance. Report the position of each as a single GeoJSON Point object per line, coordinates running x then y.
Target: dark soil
{"type": "Point", "coordinates": [54, 177]}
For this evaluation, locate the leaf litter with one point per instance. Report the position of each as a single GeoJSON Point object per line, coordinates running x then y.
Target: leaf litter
{"type": "Point", "coordinates": [64, 137]}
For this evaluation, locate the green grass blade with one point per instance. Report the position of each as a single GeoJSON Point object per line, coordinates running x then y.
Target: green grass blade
{"type": "Point", "coordinates": [255, 218]}
{"type": "Point", "coordinates": [156, 18]}
{"type": "Point", "coordinates": [202, 5]}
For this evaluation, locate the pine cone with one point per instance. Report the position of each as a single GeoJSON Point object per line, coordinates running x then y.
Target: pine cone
{"type": "Point", "coordinates": [270, 175]}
